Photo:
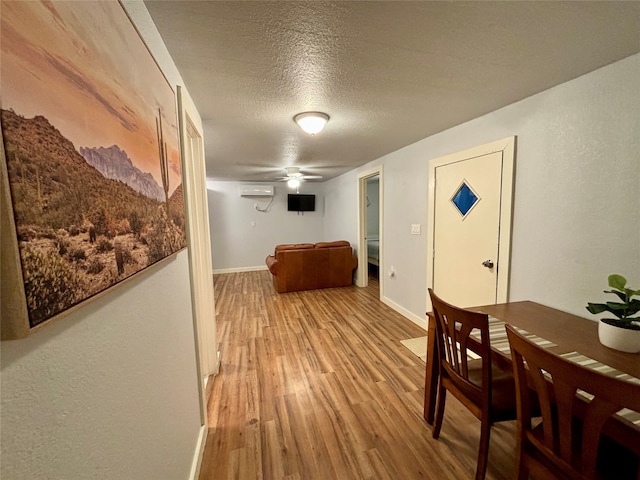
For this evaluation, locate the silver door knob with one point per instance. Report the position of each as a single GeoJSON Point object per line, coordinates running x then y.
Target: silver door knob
{"type": "Point", "coordinates": [488, 263]}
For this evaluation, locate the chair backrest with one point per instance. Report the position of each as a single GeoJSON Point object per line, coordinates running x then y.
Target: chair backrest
{"type": "Point", "coordinates": [559, 383]}
{"type": "Point", "coordinates": [454, 327]}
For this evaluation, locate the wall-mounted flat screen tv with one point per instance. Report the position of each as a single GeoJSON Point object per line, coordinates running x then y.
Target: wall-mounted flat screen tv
{"type": "Point", "coordinates": [298, 202]}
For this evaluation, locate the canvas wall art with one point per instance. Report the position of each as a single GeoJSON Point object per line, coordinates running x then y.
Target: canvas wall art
{"type": "Point", "coordinates": [90, 140]}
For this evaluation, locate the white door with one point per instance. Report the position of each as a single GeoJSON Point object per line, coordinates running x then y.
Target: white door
{"type": "Point", "coordinates": [199, 246]}
{"type": "Point", "coordinates": [201, 264]}
{"type": "Point", "coordinates": [467, 224]}
{"type": "Point", "coordinates": [471, 227]}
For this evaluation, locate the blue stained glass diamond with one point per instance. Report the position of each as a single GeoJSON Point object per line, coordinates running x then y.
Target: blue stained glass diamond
{"type": "Point", "coordinates": [464, 199]}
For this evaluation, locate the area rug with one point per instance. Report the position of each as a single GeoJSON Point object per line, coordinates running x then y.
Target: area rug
{"type": "Point", "coordinates": [417, 346]}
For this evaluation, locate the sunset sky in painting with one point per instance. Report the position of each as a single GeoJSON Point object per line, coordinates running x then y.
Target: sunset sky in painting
{"type": "Point", "coordinates": [83, 66]}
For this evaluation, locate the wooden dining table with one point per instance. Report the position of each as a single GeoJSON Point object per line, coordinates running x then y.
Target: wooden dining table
{"type": "Point", "coordinates": [566, 332]}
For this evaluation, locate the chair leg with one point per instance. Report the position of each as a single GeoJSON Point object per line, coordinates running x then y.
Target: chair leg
{"type": "Point", "coordinates": [522, 468]}
{"type": "Point", "coordinates": [522, 473]}
{"type": "Point", "coordinates": [483, 450]}
{"type": "Point", "coordinates": [437, 423]}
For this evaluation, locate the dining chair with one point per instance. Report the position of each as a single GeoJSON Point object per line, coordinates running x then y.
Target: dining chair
{"type": "Point", "coordinates": [483, 388]}
{"type": "Point", "coordinates": [575, 403]}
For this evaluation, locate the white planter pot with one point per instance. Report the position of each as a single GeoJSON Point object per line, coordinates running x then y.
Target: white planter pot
{"type": "Point", "coordinates": [621, 339]}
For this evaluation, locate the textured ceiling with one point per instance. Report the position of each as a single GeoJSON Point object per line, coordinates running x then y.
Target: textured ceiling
{"type": "Point", "coordinates": [388, 73]}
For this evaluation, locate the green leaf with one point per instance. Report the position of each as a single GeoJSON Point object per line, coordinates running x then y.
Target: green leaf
{"type": "Point", "coordinates": [618, 309]}
{"type": "Point", "coordinates": [596, 308]}
{"type": "Point", "coordinates": [613, 306]}
{"type": "Point", "coordinates": [617, 281]}
{"type": "Point", "coordinates": [634, 307]}
{"type": "Point", "coordinates": [621, 295]}
{"type": "Point", "coordinates": [631, 293]}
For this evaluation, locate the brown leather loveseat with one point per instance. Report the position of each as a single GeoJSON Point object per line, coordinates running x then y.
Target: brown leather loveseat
{"type": "Point", "coordinates": [306, 266]}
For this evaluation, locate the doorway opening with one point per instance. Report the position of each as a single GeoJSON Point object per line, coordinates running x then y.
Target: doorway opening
{"type": "Point", "coordinates": [372, 200]}
{"type": "Point", "coordinates": [370, 228]}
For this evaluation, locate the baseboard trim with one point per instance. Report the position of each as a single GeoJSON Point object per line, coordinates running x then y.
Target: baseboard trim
{"type": "Point", "coordinates": [198, 454]}
{"type": "Point", "coordinates": [236, 270]}
{"type": "Point", "coordinates": [421, 322]}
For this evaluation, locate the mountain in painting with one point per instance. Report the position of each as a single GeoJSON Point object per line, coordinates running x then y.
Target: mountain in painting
{"type": "Point", "coordinates": [52, 184]}
{"type": "Point", "coordinates": [115, 164]}
{"type": "Point", "coordinates": [78, 231]}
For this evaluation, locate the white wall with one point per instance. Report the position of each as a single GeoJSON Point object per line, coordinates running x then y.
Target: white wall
{"type": "Point", "coordinates": [109, 392]}
{"type": "Point", "coordinates": [341, 208]}
{"type": "Point", "coordinates": [242, 237]}
{"type": "Point", "coordinates": [576, 192]}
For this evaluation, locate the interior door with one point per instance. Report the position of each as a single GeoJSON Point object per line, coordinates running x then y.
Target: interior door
{"type": "Point", "coordinates": [466, 230]}
{"type": "Point", "coordinates": [201, 275]}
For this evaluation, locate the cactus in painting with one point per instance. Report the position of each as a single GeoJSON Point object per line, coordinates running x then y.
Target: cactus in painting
{"type": "Point", "coordinates": [119, 257]}
{"type": "Point", "coordinates": [164, 161]}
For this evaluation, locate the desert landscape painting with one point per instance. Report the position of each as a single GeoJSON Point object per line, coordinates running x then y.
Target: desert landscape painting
{"type": "Point", "coordinates": [91, 147]}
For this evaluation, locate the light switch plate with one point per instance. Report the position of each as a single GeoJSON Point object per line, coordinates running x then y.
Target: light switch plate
{"type": "Point", "coordinates": [415, 229]}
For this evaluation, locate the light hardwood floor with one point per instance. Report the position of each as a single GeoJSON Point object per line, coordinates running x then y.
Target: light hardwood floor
{"type": "Point", "coordinates": [316, 385]}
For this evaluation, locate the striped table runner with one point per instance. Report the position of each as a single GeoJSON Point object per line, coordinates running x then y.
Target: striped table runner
{"type": "Point", "coordinates": [499, 341]}
{"type": "Point", "coordinates": [630, 415]}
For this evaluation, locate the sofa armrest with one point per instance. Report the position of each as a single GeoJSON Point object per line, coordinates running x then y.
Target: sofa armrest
{"type": "Point", "coordinates": [272, 264]}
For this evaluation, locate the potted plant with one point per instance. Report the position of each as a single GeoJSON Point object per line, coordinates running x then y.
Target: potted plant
{"type": "Point", "coordinates": [623, 332]}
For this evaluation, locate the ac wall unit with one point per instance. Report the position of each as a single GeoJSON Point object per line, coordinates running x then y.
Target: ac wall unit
{"type": "Point", "coordinates": [256, 190]}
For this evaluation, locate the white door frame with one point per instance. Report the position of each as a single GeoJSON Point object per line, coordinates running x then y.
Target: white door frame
{"type": "Point", "coordinates": [507, 147]}
{"type": "Point", "coordinates": [362, 273]}
{"type": "Point", "coordinates": [200, 266]}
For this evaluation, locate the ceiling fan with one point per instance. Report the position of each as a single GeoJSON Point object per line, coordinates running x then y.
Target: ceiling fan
{"type": "Point", "coordinates": [294, 176]}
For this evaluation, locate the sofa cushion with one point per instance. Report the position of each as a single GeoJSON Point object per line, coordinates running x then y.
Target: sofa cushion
{"type": "Point", "coordinates": [337, 243]}
{"type": "Point", "coordinates": [293, 246]}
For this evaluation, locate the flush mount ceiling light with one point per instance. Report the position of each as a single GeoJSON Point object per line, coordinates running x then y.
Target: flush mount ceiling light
{"type": "Point", "coordinates": [311, 122]}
